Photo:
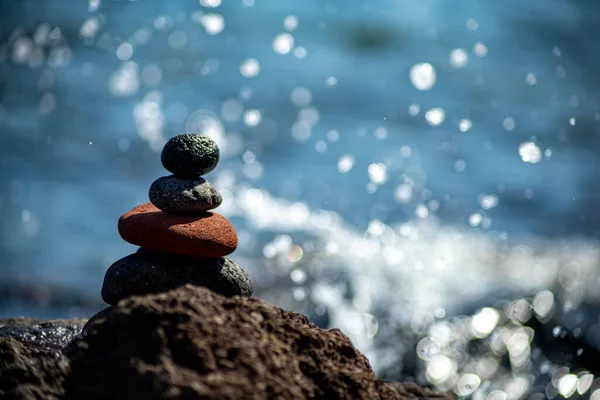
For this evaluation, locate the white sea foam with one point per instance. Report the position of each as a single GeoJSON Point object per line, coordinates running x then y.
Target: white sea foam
{"type": "Point", "coordinates": [407, 271]}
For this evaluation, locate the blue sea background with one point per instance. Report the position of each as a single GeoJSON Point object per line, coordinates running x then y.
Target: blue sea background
{"type": "Point", "coordinates": [366, 192]}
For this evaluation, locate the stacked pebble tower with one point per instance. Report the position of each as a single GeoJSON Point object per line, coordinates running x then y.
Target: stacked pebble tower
{"type": "Point", "coordinates": [181, 240]}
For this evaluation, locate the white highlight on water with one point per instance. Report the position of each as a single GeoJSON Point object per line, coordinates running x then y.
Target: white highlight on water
{"type": "Point", "coordinates": [345, 163]}
{"type": "Point", "coordinates": [250, 68]}
{"type": "Point", "coordinates": [423, 76]}
{"type": "Point", "coordinates": [530, 152]}
{"type": "Point", "coordinates": [459, 58]}
{"type": "Point", "coordinates": [435, 116]}
{"type": "Point", "coordinates": [283, 43]}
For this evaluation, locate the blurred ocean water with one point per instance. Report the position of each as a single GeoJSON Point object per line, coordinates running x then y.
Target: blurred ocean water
{"type": "Point", "coordinates": [391, 166]}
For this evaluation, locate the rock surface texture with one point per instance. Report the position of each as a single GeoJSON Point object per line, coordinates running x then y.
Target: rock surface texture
{"type": "Point", "coordinates": [188, 343]}
{"type": "Point", "coordinates": [32, 364]}
{"type": "Point", "coordinates": [190, 155]}
{"type": "Point", "coordinates": [151, 271]}
{"type": "Point", "coordinates": [205, 235]}
{"type": "Point", "coordinates": [191, 343]}
{"type": "Point", "coordinates": [177, 195]}
{"type": "Point", "coordinates": [26, 372]}
{"type": "Point", "coordinates": [46, 335]}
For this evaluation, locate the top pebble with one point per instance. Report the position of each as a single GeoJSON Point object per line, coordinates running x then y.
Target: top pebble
{"type": "Point", "coordinates": [190, 155]}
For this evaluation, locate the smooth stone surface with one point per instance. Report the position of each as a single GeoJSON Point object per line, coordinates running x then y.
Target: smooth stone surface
{"type": "Point", "coordinates": [205, 235]}
{"type": "Point", "coordinates": [151, 271]}
{"type": "Point", "coordinates": [173, 194]}
{"type": "Point", "coordinates": [190, 155]}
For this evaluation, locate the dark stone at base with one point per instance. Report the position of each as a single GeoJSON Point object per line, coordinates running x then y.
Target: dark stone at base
{"type": "Point", "coordinates": [96, 318]}
{"type": "Point", "coordinates": [190, 155]}
{"type": "Point", "coordinates": [183, 196]}
{"type": "Point", "coordinates": [151, 271]}
{"type": "Point", "coordinates": [191, 343]}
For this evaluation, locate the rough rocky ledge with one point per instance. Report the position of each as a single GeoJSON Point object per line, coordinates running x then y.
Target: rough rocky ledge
{"type": "Point", "coordinates": [32, 363]}
{"type": "Point", "coordinates": [190, 343]}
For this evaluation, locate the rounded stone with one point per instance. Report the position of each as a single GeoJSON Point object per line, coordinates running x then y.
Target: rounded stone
{"type": "Point", "coordinates": [96, 318]}
{"type": "Point", "coordinates": [173, 194]}
{"type": "Point", "coordinates": [190, 155]}
{"type": "Point", "coordinates": [151, 271]}
{"type": "Point", "coordinates": [204, 235]}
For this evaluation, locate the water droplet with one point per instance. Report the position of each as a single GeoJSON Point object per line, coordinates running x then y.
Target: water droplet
{"type": "Point", "coordinates": [531, 79]}
{"type": "Point", "coordinates": [90, 27]}
{"type": "Point", "coordinates": [250, 68]}
{"type": "Point", "coordinates": [403, 193]}
{"type": "Point", "coordinates": [423, 76]}
{"type": "Point", "coordinates": [530, 152]}
{"type": "Point", "coordinates": [213, 23]}
{"type": "Point", "coordinates": [472, 24]}
{"type": "Point", "coordinates": [480, 49]}
{"type": "Point", "coordinates": [475, 219]}
{"type": "Point", "coordinates": [252, 117]}
{"type": "Point", "coordinates": [489, 201]}
{"type": "Point", "coordinates": [459, 58]}
{"type": "Point", "coordinates": [435, 116]}
{"type": "Point", "coordinates": [378, 173]}
{"type": "Point", "coordinates": [300, 52]}
{"type": "Point", "coordinates": [124, 52]}
{"type": "Point", "coordinates": [298, 276]}
{"type": "Point", "coordinates": [464, 125]}
{"type": "Point", "coordinates": [467, 384]}
{"type": "Point", "coordinates": [509, 123]}
{"type": "Point", "coordinates": [345, 163]}
{"type": "Point", "coordinates": [414, 109]}
{"type": "Point", "coordinates": [333, 136]}
{"type": "Point", "coordinates": [125, 81]}
{"type": "Point", "coordinates": [290, 23]}
{"type": "Point", "coordinates": [321, 146]}
{"type": "Point", "coordinates": [567, 385]}
{"type": "Point", "coordinates": [210, 3]}
{"type": "Point", "coordinates": [283, 43]}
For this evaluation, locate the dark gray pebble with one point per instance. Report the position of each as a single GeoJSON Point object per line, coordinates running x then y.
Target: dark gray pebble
{"type": "Point", "coordinates": [149, 271]}
{"type": "Point", "coordinates": [190, 155]}
{"type": "Point", "coordinates": [183, 196]}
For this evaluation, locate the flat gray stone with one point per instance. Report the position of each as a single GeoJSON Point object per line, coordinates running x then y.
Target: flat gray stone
{"type": "Point", "coordinates": [177, 195]}
{"type": "Point", "coordinates": [190, 155]}
{"type": "Point", "coordinates": [149, 271]}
